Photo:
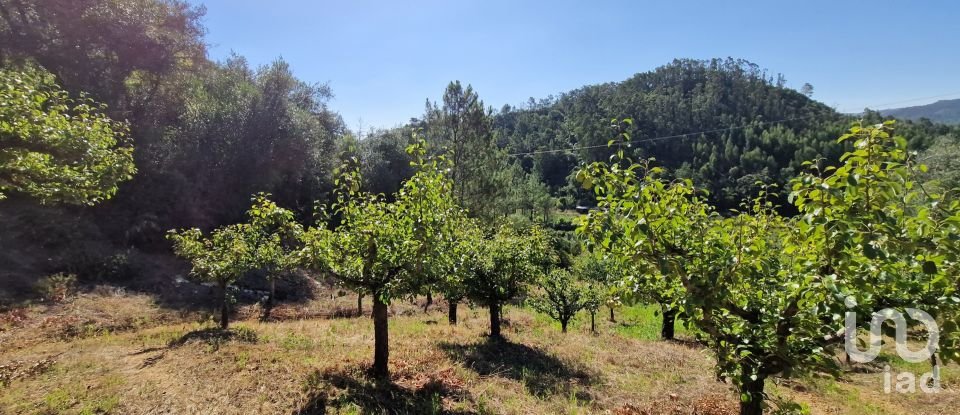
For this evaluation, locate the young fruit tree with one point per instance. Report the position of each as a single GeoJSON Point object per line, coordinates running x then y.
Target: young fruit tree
{"type": "Point", "coordinates": [563, 296]}
{"type": "Point", "coordinates": [501, 266]}
{"type": "Point", "coordinates": [602, 278]}
{"type": "Point", "coordinates": [467, 237]}
{"type": "Point", "coordinates": [884, 233]}
{"type": "Point", "coordinates": [766, 292]}
{"type": "Point", "coordinates": [274, 242]}
{"type": "Point", "coordinates": [378, 247]}
{"type": "Point", "coordinates": [644, 224]}
{"type": "Point", "coordinates": [221, 258]}
{"type": "Point", "coordinates": [55, 148]}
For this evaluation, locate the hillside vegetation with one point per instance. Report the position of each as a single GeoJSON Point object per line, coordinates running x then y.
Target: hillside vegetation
{"type": "Point", "coordinates": [179, 235]}
{"type": "Point", "coordinates": [946, 111]}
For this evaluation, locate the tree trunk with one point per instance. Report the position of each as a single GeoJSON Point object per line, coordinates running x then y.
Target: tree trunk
{"type": "Point", "coordinates": [452, 312]}
{"type": "Point", "coordinates": [224, 307]}
{"type": "Point", "coordinates": [593, 321]}
{"type": "Point", "coordinates": [359, 305]}
{"type": "Point", "coordinates": [271, 300]}
{"type": "Point", "coordinates": [426, 307]}
{"type": "Point", "coordinates": [752, 403]}
{"type": "Point", "coordinates": [381, 345]}
{"type": "Point", "coordinates": [669, 318]}
{"type": "Point", "coordinates": [563, 326]}
{"type": "Point", "coordinates": [495, 320]}
{"type": "Point", "coordinates": [612, 319]}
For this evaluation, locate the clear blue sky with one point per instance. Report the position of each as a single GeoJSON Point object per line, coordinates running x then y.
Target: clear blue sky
{"type": "Point", "coordinates": [384, 58]}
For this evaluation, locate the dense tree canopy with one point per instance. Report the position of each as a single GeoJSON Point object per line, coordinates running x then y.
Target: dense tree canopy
{"type": "Point", "coordinates": [55, 148]}
{"type": "Point", "coordinates": [723, 123]}
{"type": "Point", "coordinates": [113, 50]}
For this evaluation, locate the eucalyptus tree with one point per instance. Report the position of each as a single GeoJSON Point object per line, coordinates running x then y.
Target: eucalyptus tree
{"type": "Point", "coordinates": [381, 248]}
{"type": "Point", "coordinates": [502, 265]}
{"type": "Point", "coordinates": [55, 148]}
{"type": "Point", "coordinates": [221, 258]}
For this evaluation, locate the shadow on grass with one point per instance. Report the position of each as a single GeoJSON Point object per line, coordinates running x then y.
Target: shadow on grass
{"type": "Point", "coordinates": [356, 389]}
{"type": "Point", "coordinates": [213, 337]}
{"type": "Point", "coordinates": [541, 373]}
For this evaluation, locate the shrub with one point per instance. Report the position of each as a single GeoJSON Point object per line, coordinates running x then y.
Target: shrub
{"type": "Point", "coordinates": [57, 287]}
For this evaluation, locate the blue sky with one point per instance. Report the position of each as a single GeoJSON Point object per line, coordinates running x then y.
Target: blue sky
{"type": "Point", "coordinates": [383, 59]}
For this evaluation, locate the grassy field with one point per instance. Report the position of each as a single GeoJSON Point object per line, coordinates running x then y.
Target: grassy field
{"type": "Point", "coordinates": [108, 352]}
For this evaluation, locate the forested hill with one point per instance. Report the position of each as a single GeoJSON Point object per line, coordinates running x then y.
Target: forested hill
{"type": "Point", "coordinates": [726, 123]}
{"type": "Point", "coordinates": [944, 111]}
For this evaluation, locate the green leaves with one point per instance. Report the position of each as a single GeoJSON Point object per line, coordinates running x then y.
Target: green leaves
{"type": "Point", "coordinates": [54, 148]}
{"type": "Point", "coordinates": [388, 248]}
{"type": "Point", "coordinates": [221, 257]}
{"type": "Point", "coordinates": [766, 292]}
{"type": "Point", "coordinates": [500, 266]}
{"type": "Point", "coordinates": [562, 295]}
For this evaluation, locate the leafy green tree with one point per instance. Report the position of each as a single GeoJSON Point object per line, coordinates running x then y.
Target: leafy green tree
{"type": "Point", "coordinates": [222, 257]}
{"type": "Point", "coordinates": [245, 131]}
{"type": "Point", "coordinates": [646, 223]}
{"type": "Point", "coordinates": [502, 266]}
{"type": "Point", "coordinates": [595, 296]}
{"type": "Point", "coordinates": [380, 248]}
{"type": "Point", "coordinates": [461, 126]}
{"type": "Point", "coordinates": [267, 241]}
{"type": "Point", "coordinates": [118, 51]}
{"type": "Point", "coordinates": [55, 148]}
{"type": "Point", "coordinates": [766, 292]}
{"type": "Point", "coordinates": [529, 195]}
{"type": "Point", "coordinates": [467, 237]}
{"type": "Point", "coordinates": [384, 162]}
{"type": "Point", "coordinates": [756, 300]}
{"type": "Point", "coordinates": [274, 242]}
{"type": "Point", "coordinates": [563, 297]}
{"type": "Point", "coordinates": [604, 280]}
{"type": "Point", "coordinates": [943, 160]}
{"type": "Point", "coordinates": [886, 235]}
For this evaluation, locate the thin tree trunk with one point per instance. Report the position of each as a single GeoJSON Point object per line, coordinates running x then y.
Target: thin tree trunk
{"type": "Point", "coordinates": [495, 321]}
{"type": "Point", "coordinates": [753, 389]}
{"type": "Point", "coordinates": [452, 312]}
{"type": "Point", "coordinates": [359, 305]}
{"type": "Point", "coordinates": [612, 319]}
{"type": "Point", "coordinates": [268, 307]}
{"type": "Point", "coordinates": [563, 326]}
{"type": "Point", "coordinates": [593, 321]}
{"type": "Point", "coordinates": [224, 307]}
{"type": "Point", "coordinates": [667, 328]}
{"type": "Point", "coordinates": [381, 345]}
{"type": "Point", "coordinates": [426, 307]}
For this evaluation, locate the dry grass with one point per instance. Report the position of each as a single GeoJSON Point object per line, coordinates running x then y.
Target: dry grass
{"type": "Point", "coordinates": [146, 360]}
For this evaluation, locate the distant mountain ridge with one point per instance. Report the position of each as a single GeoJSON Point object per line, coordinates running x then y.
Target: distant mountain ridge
{"type": "Point", "coordinates": [944, 111]}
